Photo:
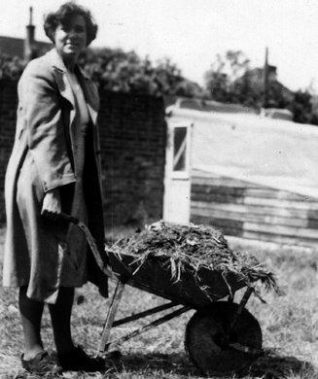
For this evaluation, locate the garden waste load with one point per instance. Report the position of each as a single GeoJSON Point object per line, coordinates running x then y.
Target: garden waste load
{"type": "Point", "coordinates": [193, 247]}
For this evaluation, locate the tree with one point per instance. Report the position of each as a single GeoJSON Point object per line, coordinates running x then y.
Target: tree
{"type": "Point", "coordinates": [11, 67]}
{"type": "Point", "coordinates": [116, 70]}
{"type": "Point", "coordinates": [231, 79]}
{"type": "Point", "coordinates": [224, 72]}
{"type": "Point", "coordinates": [302, 108]}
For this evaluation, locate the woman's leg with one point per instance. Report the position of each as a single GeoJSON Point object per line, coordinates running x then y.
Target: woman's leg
{"type": "Point", "coordinates": [61, 320]}
{"type": "Point", "coordinates": [31, 314]}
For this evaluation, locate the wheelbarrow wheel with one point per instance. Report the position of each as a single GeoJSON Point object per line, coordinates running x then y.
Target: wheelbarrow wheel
{"type": "Point", "coordinates": [214, 348]}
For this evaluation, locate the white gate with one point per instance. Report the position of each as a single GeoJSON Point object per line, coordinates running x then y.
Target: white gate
{"type": "Point", "coordinates": [177, 175]}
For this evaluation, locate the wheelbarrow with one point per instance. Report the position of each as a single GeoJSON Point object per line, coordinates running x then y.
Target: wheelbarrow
{"type": "Point", "coordinates": [221, 337]}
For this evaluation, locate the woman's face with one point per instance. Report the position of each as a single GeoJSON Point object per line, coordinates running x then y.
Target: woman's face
{"type": "Point", "coordinates": [71, 39]}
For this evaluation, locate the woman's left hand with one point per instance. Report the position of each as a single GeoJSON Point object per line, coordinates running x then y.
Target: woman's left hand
{"type": "Point", "coordinates": [51, 207]}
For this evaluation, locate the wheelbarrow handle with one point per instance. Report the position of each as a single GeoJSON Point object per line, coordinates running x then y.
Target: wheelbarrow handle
{"type": "Point", "coordinates": [68, 218]}
{"type": "Point", "coordinates": [91, 242]}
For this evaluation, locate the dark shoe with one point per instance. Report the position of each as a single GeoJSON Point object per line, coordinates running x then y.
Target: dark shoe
{"type": "Point", "coordinates": [114, 355]}
{"type": "Point", "coordinates": [78, 360]}
{"type": "Point", "coordinates": [42, 363]}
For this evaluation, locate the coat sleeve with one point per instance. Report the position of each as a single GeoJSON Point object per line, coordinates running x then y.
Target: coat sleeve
{"type": "Point", "coordinates": [46, 134]}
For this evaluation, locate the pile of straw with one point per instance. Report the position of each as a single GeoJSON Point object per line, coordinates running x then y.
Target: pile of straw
{"type": "Point", "coordinates": [193, 246]}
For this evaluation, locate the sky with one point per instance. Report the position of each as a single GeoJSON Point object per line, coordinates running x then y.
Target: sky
{"type": "Point", "coordinates": [192, 32]}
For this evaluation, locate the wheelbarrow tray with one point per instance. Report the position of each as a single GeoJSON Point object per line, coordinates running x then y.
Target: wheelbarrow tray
{"type": "Point", "coordinates": [196, 290]}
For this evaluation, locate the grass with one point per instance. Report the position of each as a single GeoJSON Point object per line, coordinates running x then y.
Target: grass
{"type": "Point", "coordinates": [289, 324]}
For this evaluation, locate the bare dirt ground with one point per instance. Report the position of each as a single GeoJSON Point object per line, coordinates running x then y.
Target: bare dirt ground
{"type": "Point", "coordinates": [289, 324]}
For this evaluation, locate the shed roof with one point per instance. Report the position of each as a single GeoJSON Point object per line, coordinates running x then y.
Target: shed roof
{"type": "Point", "coordinates": [276, 153]}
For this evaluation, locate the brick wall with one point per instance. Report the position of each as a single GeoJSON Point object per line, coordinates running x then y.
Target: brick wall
{"type": "Point", "coordinates": [133, 139]}
{"type": "Point", "coordinates": [8, 106]}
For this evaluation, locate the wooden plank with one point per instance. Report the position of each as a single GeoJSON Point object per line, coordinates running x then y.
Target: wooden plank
{"type": "Point", "coordinates": [201, 173]}
{"type": "Point", "coordinates": [272, 193]}
{"type": "Point", "coordinates": [261, 192]}
{"type": "Point", "coordinates": [262, 218]}
{"type": "Point", "coordinates": [277, 203]}
{"type": "Point", "coordinates": [230, 227]}
{"type": "Point", "coordinates": [254, 209]}
{"type": "Point", "coordinates": [280, 239]}
{"type": "Point", "coordinates": [195, 173]}
{"type": "Point", "coordinates": [217, 198]}
{"type": "Point", "coordinates": [227, 182]}
{"type": "Point", "coordinates": [213, 189]}
{"type": "Point", "coordinates": [208, 192]}
{"type": "Point", "coordinates": [281, 230]}
{"type": "Point", "coordinates": [312, 223]}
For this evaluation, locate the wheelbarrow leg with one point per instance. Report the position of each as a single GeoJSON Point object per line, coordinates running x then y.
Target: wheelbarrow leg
{"type": "Point", "coordinates": [111, 315]}
{"type": "Point", "coordinates": [241, 306]}
{"type": "Point", "coordinates": [151, 325]}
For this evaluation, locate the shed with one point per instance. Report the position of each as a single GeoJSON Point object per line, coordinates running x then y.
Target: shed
{"type": "Point", "coordinates": [251, 176]}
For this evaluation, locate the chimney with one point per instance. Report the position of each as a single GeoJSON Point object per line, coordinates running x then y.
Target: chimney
{"type": "Point", "coordinates": [265, 80]}
{"type": "Point", "coordinates": [29, 43]}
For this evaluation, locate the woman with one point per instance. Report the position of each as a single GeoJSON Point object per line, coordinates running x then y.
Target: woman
{"type": "Point", "coordinates": [54, 168]}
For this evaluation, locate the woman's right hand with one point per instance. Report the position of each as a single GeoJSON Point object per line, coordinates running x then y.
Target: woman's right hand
{"type": "Point", "coordinates": [51, 207]}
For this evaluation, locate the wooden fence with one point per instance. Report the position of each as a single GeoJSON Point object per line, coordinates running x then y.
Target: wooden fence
{"type": "Point", "coordinates": [253, 211]}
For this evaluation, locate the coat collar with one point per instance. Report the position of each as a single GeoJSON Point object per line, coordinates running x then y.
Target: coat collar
{"type": "Point", "coordinates": [65, 88]}
{"type": "Point", "coordinates": [57, 62]}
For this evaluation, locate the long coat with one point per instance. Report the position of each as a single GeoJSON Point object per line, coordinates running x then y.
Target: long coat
{"type": "Point", "coordinates": [45, 136]}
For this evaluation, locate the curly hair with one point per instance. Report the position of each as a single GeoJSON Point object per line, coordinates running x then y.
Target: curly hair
{"type": "Point", "coordinates": [63, 16]}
